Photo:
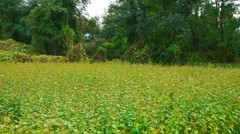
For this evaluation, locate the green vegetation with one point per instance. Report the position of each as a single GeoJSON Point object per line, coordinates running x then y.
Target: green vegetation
{"type": "Point", "coordinates": [47, 58]}
{"type": "Point", "coordinates": [12, 51]}
{"type": "Point", "coordinates": [13, 46]}
{"type": "Point", "coordinates": [157, 66]}
{"type": "Point", "coordinates": [118, 98]}
{"type": "Point", "coordinates": [138, 31]}
{"type": "Point", "coordinates": [77, 54]}
{"type": "Point", "coordinates": [6, 56]}
{"type": "Point", "coordinates": [174, 31]}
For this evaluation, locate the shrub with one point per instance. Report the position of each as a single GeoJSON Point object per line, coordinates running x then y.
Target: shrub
{"type": "Point", "coordinates": [68, 41]}
{"type": "Point", "coordinates": [98, 57]}
{"type": "Point", "coordinates": [114, 50]}
{"type": "Point", "coordinates": [137, 53]}
{"type": "Point", "coordinates": [41, 58]}
{"type": "Point", "coordinates": [13, 46]}
{"type": "Point", "coordinates": [91, 48]}
{"type": "Point", "coordinates": [58, 59]}
{"type": "Point", "coordinates": [6, 56]}
{"type": "Point", "coordinates": [77, 54]}
{"type": "Point", "coordinates": [194, 58]}
{"type": "Point", "coordinates": [102, 50]}
{"type": "Point", "coordinates": [21, 57]}
{"type": "Point", "coordinates": [110, 50]}
{"type": "Point", "coordinates": [140, 56]}
{"type": "Point", "coordinates": [172, 54]}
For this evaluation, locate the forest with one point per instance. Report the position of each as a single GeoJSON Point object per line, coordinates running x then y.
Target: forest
{"type": "Point", "coordinates": [137, 31]}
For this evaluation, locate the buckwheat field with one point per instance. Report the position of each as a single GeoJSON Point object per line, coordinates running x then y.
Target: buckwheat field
{"type": "Point", "coordinates": [118, 98]}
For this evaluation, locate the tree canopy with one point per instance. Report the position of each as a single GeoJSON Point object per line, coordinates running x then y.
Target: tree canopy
{"type": "Point", "coordinates": [176, 31]}
{"type": "Point", "coordinates": [138, 31]}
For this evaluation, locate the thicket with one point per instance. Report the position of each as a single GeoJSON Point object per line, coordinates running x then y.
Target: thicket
{"type": "Point", "coordinates": [77, 54]}
{"type": "Point", "coordinates": [12, 51]}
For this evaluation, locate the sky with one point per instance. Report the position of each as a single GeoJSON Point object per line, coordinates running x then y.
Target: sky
{"type": "Point", "coordinates": [98, 7]}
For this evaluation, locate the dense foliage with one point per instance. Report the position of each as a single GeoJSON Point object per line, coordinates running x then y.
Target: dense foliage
{"type": "Point", "coordinates": [118, 98]}
{"type": "Point", "coordinates": [174, 31]}
{"type": "Point", "coordinates": [42, 90]}
{"type": "Point", "coordinates": [13, 46]}
{"type": "Point", "coordinates": [138, 31]}
{"type": "Point", "coordinates": [51, 26]}
{"type": "Point", "coordinates": [13, 51]}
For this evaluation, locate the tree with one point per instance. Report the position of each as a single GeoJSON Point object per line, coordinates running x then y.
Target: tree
{"type": "Point", "coordinates": [201, 30]}
{"type": "Point", "coordinates": [54, 25]}
{"type": "Point", "coordinates": [9, 17]}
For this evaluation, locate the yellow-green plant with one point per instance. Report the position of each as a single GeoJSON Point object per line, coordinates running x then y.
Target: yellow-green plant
{"type": "Point", "coordinates": [21, 57]}
{"type": "Point", "coordinates": [6, 56]}
{"type": "Point", "coordinates": [77, 54]}
{"type": "Point", "coordinates": [118, 98]}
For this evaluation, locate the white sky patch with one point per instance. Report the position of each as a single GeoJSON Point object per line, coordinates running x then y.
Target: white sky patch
{"type": "Point", "coordinates": [238, 12]}
{"type": "Point", "coordinates": [98, 7]}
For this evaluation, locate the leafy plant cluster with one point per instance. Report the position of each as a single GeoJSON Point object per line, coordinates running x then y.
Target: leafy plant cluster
{"type": "Point", "coordinates": [12, 51]}
{"type": "Point", "coordinates": [77, 54]}
{"type": "Point", "coordinates": [6, 56]}
{"type": "Point", "coordinates": [10, 112]}
{"type": "Point", "coordinates": [14, 46]}
{"type": "Point", "coordinates": [118, 98]}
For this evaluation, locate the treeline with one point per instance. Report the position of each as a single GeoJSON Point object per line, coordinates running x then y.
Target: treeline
{"type": "Point", "coordinates": [51, 26]}
{"type": "Point", "coordinates": [173, 31]}
{"type": "Point", "coordinates": [138, 31]}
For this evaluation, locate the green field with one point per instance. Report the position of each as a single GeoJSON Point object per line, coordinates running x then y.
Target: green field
{"type": "Point", "coordinates": [118, 98]}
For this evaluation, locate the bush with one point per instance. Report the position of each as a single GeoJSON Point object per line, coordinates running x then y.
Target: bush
{"type": "Point", "coordinates": [172, 54]}
{"type": "Point", "coordinates": [48, 58]}
{"type": "Point", "coordinates": [21, 57]}
{"type": "Point", "coordinates": [191, 58]}
{"type": "Point", "coordinates": [58, 59]}
{"type": "Point", "coordinates": [6, 56]}
{"type": "Point", "coordinates": [13, 46]}
{"type": "Point", "coordinates": [101, 50]}
{"type": "Point", "coordinates": [98, 57]}
{"type": "Point", "coordinates": [91, 48]}
{"type": "Point", "coordinates": [41, 58]}
{"type": "Point", "coordinates": [77, 54]}
{"type": "Point", "coordinates": [140, 56]}
{"type": "Point", "coordinates": [11, 50]}
{"type": "Point", "coordinates": [113, 51]}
